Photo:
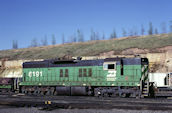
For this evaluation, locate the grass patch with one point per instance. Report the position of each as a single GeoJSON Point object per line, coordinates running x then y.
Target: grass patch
{"type": "Point", "coordinates": [90, 48]}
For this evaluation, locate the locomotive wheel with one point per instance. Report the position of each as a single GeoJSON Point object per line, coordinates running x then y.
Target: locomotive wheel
{"type": "Point", "coordinates": [3, 91]}
{"type": "Point", "coordinates": [25, 91]}
{"type": "Point", "coordinates": [52, 90]}
{"type": "Point", "coordinates": [30, 93]}
{"type": "Point", "coordinates": [132, 95]}
{"type": "Point", "coordinates": [42, 92]}
{"type": "Point", "coordinates": [55, 93]}
{"type": "Point", "coordinates": [128, 95]}
{"type": "Point", "coordinates": [48, 93]}
{"type": "Point", "coordinates": [97, 92]}
{"type": "Point", "coordinates": [123, 95]}
{"type": "Point", "coordinates": [38, 91]}
{"type": "Point", "coordinates": [35, 92]}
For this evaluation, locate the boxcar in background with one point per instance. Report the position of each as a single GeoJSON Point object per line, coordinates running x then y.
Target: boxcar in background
{"type": "Point", "coordinates": [162, 83]}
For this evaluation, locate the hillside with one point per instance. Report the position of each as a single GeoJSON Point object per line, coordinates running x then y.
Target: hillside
{"type": "Point", "coordinates": [126, 45]}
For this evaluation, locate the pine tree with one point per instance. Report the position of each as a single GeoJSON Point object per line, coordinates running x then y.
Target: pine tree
{"type": "Point", "coordinates": [142, 30]}
{"type": "Point", "coordinates": [170, 26]}
{"type": "Point", "coordinates": [15, 44]}
{"type": "Point", "coordinates": [163, 27]}
{"type": "Point", "coordinates": [53, 40]}
{"type": "Point", "coordinates": [131, 33]}
{"type": "Point", "coordinates": [80, 36]}
{"type": "Point", "coordinates": [103, 37]}
{"type": "Point", "coordinates": [97, 36]}
{"type": "Point", "coordinates": [63, 39]}
{"type": "Point", "coordinates": [74, 38]}
{"type": "Point", "coordinates": [135, 32]}
{"type": "Point", "coordinates": [124, 32]}
{"type": "Point", "coordinates": [156, 31]}
{"type": "Point", "coordinates": [93, 35]}
{"type": "Point", "coordinates": [113, 35]}
{"type": "Point", "coordinates": [34, 43]}
{"type": "Point", "coordinates": [44, 41]}
{"type": "Point", "coordinates": [150, 31]}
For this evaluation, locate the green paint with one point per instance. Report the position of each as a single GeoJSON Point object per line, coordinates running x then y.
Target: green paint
{"type": "Point", "coordinates": [5, 86]}
{"type": "Point", "coordinates": [51, 76]}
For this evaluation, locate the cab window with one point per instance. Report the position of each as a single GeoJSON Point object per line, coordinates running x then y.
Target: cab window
{"type": "Point", "coordinates": [109, 66]}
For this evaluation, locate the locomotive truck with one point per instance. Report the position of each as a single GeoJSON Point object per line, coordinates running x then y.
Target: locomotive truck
{"type": "Point", "coordinates": [125, 77]}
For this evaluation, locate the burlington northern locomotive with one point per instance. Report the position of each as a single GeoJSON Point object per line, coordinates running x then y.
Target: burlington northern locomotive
{"type": "Point", "coordinates": [101, 77]}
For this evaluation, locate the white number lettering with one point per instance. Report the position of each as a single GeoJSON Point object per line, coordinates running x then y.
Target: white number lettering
{"type": "Point", "coordinates": [33, 73]}
{"type": "Point", "coordinates": [30, 74]}
{"type": "Point", "coordinates": [37, 73]}
{"type": "Point", "coordinates": [40, 73]}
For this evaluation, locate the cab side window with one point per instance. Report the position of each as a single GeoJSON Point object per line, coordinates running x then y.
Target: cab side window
{"type": "Point", "coordinates": [109, 66]}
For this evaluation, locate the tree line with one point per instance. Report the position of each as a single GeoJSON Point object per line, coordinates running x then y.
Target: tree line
{"type": "Point", "coordinates": [79, 36]}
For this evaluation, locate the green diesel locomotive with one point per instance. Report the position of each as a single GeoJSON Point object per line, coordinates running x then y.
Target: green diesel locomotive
{"type": "Point", "coordinates": [101, 77]}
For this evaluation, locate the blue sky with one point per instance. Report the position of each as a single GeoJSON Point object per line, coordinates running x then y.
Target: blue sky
{"type": "Point", "coordinates": [23, 20]}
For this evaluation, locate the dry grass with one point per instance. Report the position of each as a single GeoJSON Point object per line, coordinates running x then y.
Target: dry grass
{"type": "Point", "coordinates": [89, 48]}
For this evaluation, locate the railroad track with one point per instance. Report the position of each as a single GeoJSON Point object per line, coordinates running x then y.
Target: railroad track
{"type": "Point", "coordinates": [81, 102]}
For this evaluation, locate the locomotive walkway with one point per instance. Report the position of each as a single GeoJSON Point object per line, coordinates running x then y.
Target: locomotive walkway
{"type": "Point", "coordinates": [81, 102]}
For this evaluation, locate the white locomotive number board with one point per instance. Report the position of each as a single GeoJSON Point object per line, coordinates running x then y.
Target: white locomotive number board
{"type": "Point", "coordinates": [35, 73]}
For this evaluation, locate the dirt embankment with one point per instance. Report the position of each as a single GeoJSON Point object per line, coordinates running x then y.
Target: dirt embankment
{"type": "Point", "coordinates": [160, 61]}
{"type": "Point", "coordinates": [160, 58]}
{"type": "Point", "coordinates": [157, 48]}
